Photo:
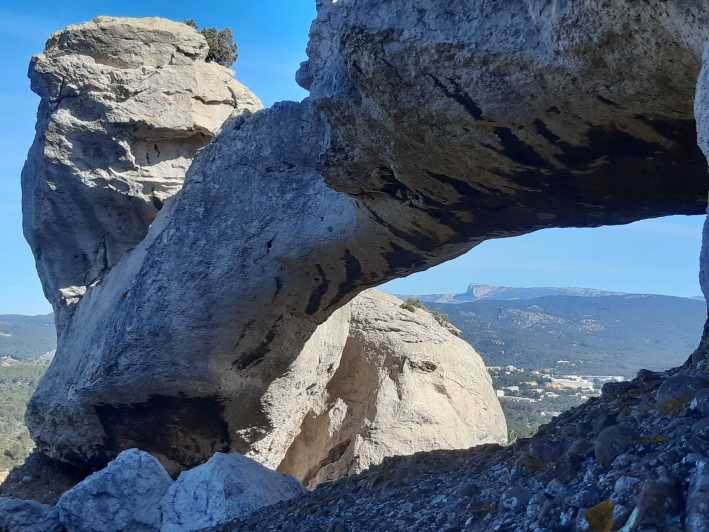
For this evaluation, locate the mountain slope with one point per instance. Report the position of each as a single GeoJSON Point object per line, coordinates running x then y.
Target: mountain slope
{"type": "Point", "coordinates": [598, 334]}
{"type": "Point", "coordinates": [26, 337]}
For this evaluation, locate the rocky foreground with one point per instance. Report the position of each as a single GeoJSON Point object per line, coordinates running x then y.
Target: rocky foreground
{"type": "Point", "coordinates": [633, 459]}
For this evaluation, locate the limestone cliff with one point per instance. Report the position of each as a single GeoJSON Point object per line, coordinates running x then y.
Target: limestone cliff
{"type": "Point", "coordinates": [149, 89]}
{"type": "Point", "coordinates": [125, 106]}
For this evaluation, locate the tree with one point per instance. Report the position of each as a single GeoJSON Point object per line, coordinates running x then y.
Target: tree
{"type": "Point", "coordinates": [222, 48]}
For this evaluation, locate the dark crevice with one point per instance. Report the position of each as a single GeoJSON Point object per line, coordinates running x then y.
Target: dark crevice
{"type": "Point", "coordinates": [460, 96]}
{"type": "Point", "coordinates": [318, 293]}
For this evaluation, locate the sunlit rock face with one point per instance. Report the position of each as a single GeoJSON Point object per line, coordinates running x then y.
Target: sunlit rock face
{"type": "Point", "coordinates": [405, 384]}
{"type": "Point", "coordinates": [430, 128]}
{"type": "Point", "coordinates": [125, 105]}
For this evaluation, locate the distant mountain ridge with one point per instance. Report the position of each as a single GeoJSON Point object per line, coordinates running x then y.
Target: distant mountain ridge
{"type": "Point", "coordinates": [577, 330]}
{"type": "Point", "coordinates": [27, 337]}
{"type": "Point", "coordinates": [477, 292]}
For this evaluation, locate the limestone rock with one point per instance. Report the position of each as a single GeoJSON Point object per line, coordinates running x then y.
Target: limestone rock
{"type": "Point", "coordinates": [27, 516]}
{"type": "Point", "coordinates": [677, 391]}
{"type": "Point", "coordinates": [227, 487]}
{"type": "Point", "coordinates": [700, 403]}
{"type": "Point", "coordinates": [698, 499]}
{"type": "Point", "coordinates": [613, 441]}
{"type": "Point", "coordinates": [430, 128]}
{"type": "Point", "coordinates": [405, 384]}
{"type": "Point", "coordinates": [125, 105]}
{"type": "Point", "coordinates": [125, 495]}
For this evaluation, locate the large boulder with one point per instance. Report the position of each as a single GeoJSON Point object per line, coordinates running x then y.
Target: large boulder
{"type": "Point", "coordinates": [430, 128]}
{"type": "Point", "coordinates": [406, 383]}
{"type": "Point", "coordinates": [125, 105]}
{"type": "Point", "coordinates": [227, 487]}
{"type": "Point", "coordinates": [125, 495]}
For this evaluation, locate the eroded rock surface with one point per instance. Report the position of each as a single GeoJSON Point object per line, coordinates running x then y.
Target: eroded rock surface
{"type": "Point", "coordinates": [125, 105]}
{"type": "Point", "coordinates": [405, 384]}
{"type": "Point", "coordinates": [430, 128]}
{"type": "Point", "coordinates": [227, 487]}
{"type": "Point", "coordinates": [125, 495]}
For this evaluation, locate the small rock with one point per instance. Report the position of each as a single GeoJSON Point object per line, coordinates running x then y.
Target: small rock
{"type": "Point", "coordinates": [621, 514]}
{"type": "Point", "coordinates": [613, 441]}
{"type": "Point", "coordinates": [614, 390]}
{"type": "Point", "coordinates": [659, 500]}
{"type": "Point", "coordinates": [556, 489]}
{"type": "Point", "coordinates": [700, 403]}
{"type": "Point", "coordinates": [676, 392]}
{"type": "Point", "coordinates": [125, 495]}
{"type": "Point", "coordinates": [535, 505]}
{"type": "Point", "coordinates": [515, 498]}
{"type": "Point", "coordinates": [698, 500]}
{"type": "Point", "coordinates": [627, 487]}
{"type": "Point", "coordinates": [586, 498]}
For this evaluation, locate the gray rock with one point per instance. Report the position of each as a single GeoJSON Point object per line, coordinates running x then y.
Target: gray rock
{"type": "Point", "coordinates": [125, 495]}
{"type": "Point", "coordinates": [700, 403]}
{"type": "Point", "coordinates": [27, 516]}
{"type": "Point", "coordinates": [585, 498]}
{"type": "Point", "coordinates": [227, 487]}
{"type": "Point", "coordinates": [697, 519]}
{"type": "Point", "coordinates": [339, 193]}
{"type": "Point", "coordinates": [106, 155]}
{"type": "Point", "coordinates": [627, 487]}
{"type": "Point", "coordinates": [659, 500]}
{"type": "Point", "coordinates": [515, 499]}
{"type": "Point", "coordinates": [613, 441]}
{"type": "Point", "coordinates": [677, 391]}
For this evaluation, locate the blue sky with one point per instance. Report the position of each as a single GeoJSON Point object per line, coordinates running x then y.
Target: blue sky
{"type": "Point", "coordinates": [651, 256]}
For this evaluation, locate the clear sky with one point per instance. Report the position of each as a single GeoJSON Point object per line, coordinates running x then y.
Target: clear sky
{"type": "Point", "coordinates": [652, 256]}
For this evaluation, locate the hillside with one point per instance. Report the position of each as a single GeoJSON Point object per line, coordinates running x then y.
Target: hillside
{"type": "Point", "coordinates": [591, 335]}
{"type": "Point", "coordinates": [18, 380]}
{"type": "Point", "coordinates": [26, 337]}
{"type": "Point", "coordinates": [477, 292]}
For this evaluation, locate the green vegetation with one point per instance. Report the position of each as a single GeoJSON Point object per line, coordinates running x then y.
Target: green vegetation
{"type": "Point", "coordinates": [411, 304]}
{"type": "Point", "coordinates": [222, 48]}
{"type": "Point", "coordinates": [18, 381]}
{"type": "Point", "coordinates": [609, 335]}
{"type": "Point", "coordinates": [26, 337]}
{"type": "Point", "coordinates": [441, 318]}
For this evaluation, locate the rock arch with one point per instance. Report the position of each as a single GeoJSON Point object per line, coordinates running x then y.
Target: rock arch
{"type": "Point", "coordinates": [429, 129]}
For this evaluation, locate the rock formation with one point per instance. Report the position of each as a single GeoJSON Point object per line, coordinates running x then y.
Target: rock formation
{"type": "Point", "coordinates": [228, 486]}
{"type": "Point", "coordinates": [428, 130]}
{"type": "Point", "coordinates": [200, 406]}
{"type": "Point", "coordinates": [405, 384]}
{"type": "Point", "coordinates": [125, 105]}
{"type": "Point", "coordinates": [134, 493]}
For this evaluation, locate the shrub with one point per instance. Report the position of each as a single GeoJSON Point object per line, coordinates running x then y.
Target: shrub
{"type": "Point", "coordinates": [411, 304]}
{"type": "Point", "coordinates": [441, 318]}
{"type": "Point", "coordinates": [222, 48]}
